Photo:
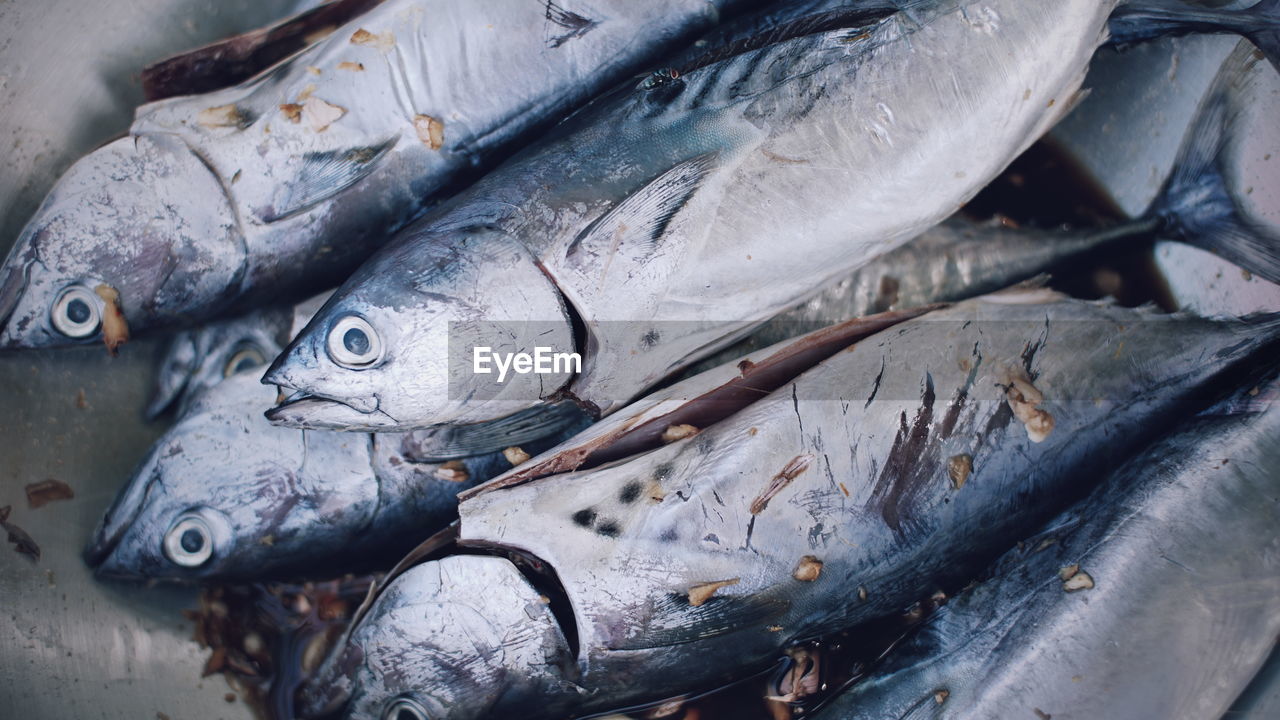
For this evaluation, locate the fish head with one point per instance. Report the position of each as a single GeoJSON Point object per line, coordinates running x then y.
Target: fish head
{"type": "Point", "coordinates": [196, 360]}
{"type": "Point", "coordinates": [226, 495]}
{"type": "Point", "coordinates": [445, 640]}
{"type": "Point", "coordinates": [143, 216]}
{"type": "Point", "coordinates": [393, 347]}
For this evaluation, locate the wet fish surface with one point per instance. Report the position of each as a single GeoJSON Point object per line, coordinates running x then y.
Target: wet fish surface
{"type": "Point", "coordinates": [897, 466]}
{"type": "Point", "coordinates": [668, 219]}
{"type": "Point", "coordinates": [667, 250]}
{"type": "Point", "coordinates": [224, 495]}
{"type": "Point", "coordinates": [1157, 596]}
{"type": "Point", "coordinates": [274, 189]}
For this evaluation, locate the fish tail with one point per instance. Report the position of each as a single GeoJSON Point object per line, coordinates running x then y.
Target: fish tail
{"type": "Point", "coordinates": [1139, 20]}
{"type": "Point", "coordinates": [1196, 205]}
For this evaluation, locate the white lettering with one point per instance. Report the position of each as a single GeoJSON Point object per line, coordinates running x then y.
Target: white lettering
{"type": "Point", "coordinates": [477, 357]}
{"type": "Point", "coordinates": [542, 361]}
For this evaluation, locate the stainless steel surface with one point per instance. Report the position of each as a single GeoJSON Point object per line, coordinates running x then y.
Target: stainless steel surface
{"type": "Point", "coordinates": [70, 646]}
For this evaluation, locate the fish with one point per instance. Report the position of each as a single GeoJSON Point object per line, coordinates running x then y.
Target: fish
{"type": "Point", "coordinates": [668, 219]}
{"type": "Point", "coordinates": [1157, 596]}
{"type": "Point", "coordinates": [224, 495]}
{"type": "Point", "coordinates": [196, 360]}
{"type": "Point", "coordinates": [272, 190]}
{"type": "Point", "coordinates": [953, 261]}
{"type": "Point", "coordinates": [901, 463]}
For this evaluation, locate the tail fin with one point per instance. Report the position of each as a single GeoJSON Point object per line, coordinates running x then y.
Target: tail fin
{"type": "Point", "coordinates": [1197, 204]}
{"type": "Point", "coordinates": [1139, 20]}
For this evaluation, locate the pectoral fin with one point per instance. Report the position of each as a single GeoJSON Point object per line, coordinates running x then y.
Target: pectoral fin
{"type": "Point", "coordinates": [632, 230]}
{"type": "Point", "coordinates": [323, 175]}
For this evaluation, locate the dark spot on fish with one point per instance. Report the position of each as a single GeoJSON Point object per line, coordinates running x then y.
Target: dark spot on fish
{"type": "Point", "coordinates": [663, 471]}
{"type": "Point", "coordinates": [650, 339]}
{"type": "Point", "coordinates": [630, 492]}
{"type": "Point", "coordinates": [575, 24]}
{"type": "Point", "coordinates": [669, 535]}
{"type": "Point", "coordinates": [711, 538]}
{"type": "Point", "coordinates": [609, 528]}
{"type": "Point", "coordinates": [875, 387]}
{"type": "Point", "coordinates": [911, 463]}
{"type": "Point", "coordinates": [1030, 349]}
{"type": "Point", "coordinates": [887, 295]}
{"type": "Point", "coordinates": [584, 518]}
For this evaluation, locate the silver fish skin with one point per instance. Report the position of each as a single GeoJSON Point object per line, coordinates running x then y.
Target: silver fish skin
{"type": "Point", "coordinates": [1177, 602]}
{"type": "Point", "coordinates": [956, 260]}
{"type": "Point", "coordinates": [266, 502]}
{"type": "Point", "coordinates": [832, 500]}
{"type": "Point", "coordinates": [675, 215]}
{"type": "Point", "coordinates": [274, 189]}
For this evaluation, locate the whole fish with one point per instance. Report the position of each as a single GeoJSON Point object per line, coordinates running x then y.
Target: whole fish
{"type": "Point", "coordinates": [274, 189]}
{"type": "Point", "coordinates": [669, 218]}
{"type": "Point", "coordinates": [225, 495]}
{"type": "Point", "coordinates": [901, 464]}
{"type": "Point", "coordinates": [1158, 596]}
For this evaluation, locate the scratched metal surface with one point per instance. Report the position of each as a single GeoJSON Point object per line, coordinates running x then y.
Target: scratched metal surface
{"type": "Point", "coordinates": [69, 646]}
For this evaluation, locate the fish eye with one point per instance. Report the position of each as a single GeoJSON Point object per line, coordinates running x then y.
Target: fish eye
{"type": "Point", "coordinates": [76, 312]}
{"type": "Point", "coordinates": [246, 357]}
{"type": "Point", "coordinates": [405, 709]}
{"type": "Point", "coordinates": [189, 542]}
{"type": "Point", "coordinates": [353, 343]}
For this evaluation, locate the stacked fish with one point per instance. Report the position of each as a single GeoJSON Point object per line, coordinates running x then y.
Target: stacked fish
{"type": "Point", "coordinates": [807, 394]}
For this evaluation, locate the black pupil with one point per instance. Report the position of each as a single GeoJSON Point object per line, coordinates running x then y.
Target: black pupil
{"type": "Point", "coordinates": [78, 311]}
{"type": "Point", "coordinates": [357, 343]}
{"type": "Point", "coordinates": [192, 541]}
{"type": "Point", "coordinates": [406, 714]}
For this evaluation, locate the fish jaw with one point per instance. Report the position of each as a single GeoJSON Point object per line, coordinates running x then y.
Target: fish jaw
{"type": "Point", "coordinates": [159, 230]}
{"type": "Point", "coordinates": [317, 413]}
{"type": "Point", "coordinates": [443, 636]}
{"type": "Point", "coordinates": [418, 308]}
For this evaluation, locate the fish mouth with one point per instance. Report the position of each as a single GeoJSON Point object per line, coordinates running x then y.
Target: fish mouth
{"type": "Point", "coordinates": [114, 524]}
{"type": "Point", "coordinates": [318, 412]}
